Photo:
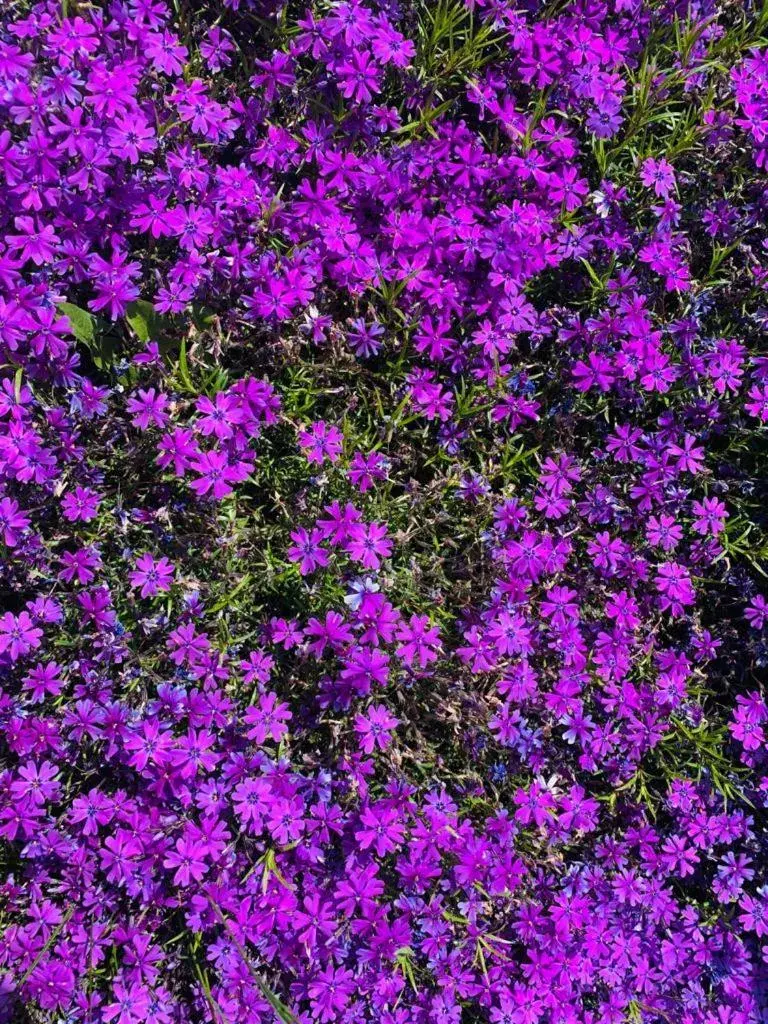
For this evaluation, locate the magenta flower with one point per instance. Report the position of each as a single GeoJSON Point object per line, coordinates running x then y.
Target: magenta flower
{"type": "Point", "coordinates": [596, 371]}
{"type": "Point", "coordinates": [662, 531]}
{"type": "Point", "coordinates": [336, 528]}
{"type": "Point", "coordinates": [130, 1006]}
{"type": "Point", "coordinates": [365, 668]}
{"type": "Point", "coordinates": [359, 78]}
{"type": "Point", "coordinates": [756, 613]}
{"type": "Point", "coordinates": [710, 514]}
{"type": "Point", "coordinates": [152, 576]}
{"type": "Point", "coordinates": [177, 448]}
{"type": "Point", "coordinates": [219, 417]}
{"type": "Point", "coordinates": [35, 242]}
{"type": "Point", "coordinates": [52, 985]}
{"type": "Point", "coordinates": [148, 407]}
{"type": "Point", "coordinates": [37, 782]}
{"type": "Point", "coordinates": [320, 442]}
{"type": "Point", "coordinates": [188, 860]}
{"type": "Point", "coordinates": [166, 52]}
{"type": "Point", "coordinates": [419, 641]}
{"type": "Point", "coordinates": [380, 829]}
{"type": "Point", "coordinates": [334, 632]}
{"type": "Point", "coordinates": [18, 635]}
{"type": "Point", "coordinates": [509, 632]}
{"type": "Point", "coordinates": [368, 543]}
{"type": "Point", "coordinates": [267, 720]}
{"type": "Point", "coordinates": [675, 588]}
{"type": "Point", "coordinates": [754, 915]}
{"type": "Point", "coordinates": [217, 474]}
{"type": "Point", "coordinates": [216, 49]}
{"type": "Point", "coordinates": [80, 505]}
{"type": "Point", "coordinates": [80, 565]}
{"type": "Point", "coordinates": [252, 800]}
{"type": "Point", "coordinates": [374, 728]}
{"type": "Point", "coordinates": [307, 551]}
{"type": "Point", "coordinates": [658, 175]}
{"type": "Point", "coordinates": [363, 470]}
{"type": "Point", "coordinates": [758, 404]}
{"type": "Point", "coordinates": [537, 368]}
{"type": "Point", "coordinates": [257, 667]}
{"type": "Point", "coordinates": [43, 680]}
{"type": "Point", "coordinates": [13, 522]}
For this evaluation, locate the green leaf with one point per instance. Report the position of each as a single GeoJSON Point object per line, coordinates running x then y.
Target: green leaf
{"type": "Point", "coordinates": [81, 322]}
{"type": "Point", "coordinates": [104, 351]}
{"type": "Point", "coordinates": [142, 319]}
{"type": "Point", "coordinates": [186, 380]}
{"type": "Point", "coordinates": [225, 601]}
{"type": "Point", "coordinates": [404, 962]}
{"type": "Point", "coordinates": [202, 317]}
{"type": "Point", "coordinates": [93, 332]}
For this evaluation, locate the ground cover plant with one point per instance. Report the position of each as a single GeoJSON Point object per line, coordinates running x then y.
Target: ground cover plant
{"type": "Point", "coordinates": [383, 487]}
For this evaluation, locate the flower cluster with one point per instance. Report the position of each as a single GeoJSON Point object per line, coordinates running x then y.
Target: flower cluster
{"type": "Point", "coordinates": [383, 545]}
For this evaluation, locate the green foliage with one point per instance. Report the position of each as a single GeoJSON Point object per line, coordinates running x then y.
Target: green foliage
{"type": "Point", "coordinates": [95, 334]}
{"type": "Point", "coordinates": [454, 46]}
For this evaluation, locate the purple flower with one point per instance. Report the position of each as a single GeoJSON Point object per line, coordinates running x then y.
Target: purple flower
{"type": "Point", "coordinates": [757, 612]}
{"type": "Point", "coordinates": [419, 641]}
{"type": "Point", "coordinates": [368, 543]}
{"type": "Point", "coordinates": [151, 575]}
{"type": "Point", "coordinates": [321, 442]}
{"type": "Point", "coordinates": [363, 470]}
{"type": "Point", "coordinates": [267, 720]}
{"type": "Point", "coordinates": [13, 522]}
{"type": "Point", "coordinates": [216, 474]}
{"type": "Point", "coordinates": [80, 505]}
{"type": "Point", "coordinates": [130, 1006]}
{"type": "Point", "coordinates": [188, 860]}
{"type": "Point", "coordinates": [307, 551]}
{"type": "Point", "coordinates": [374, 728]}
{"type": "Point", "coordinates": [359, 78]}
{"type": "Point", "coordinates": [380, 829]}
{"type": "Point", "coordinates": [148, 408]}
{"type": "Point", "coordinates": [658, 175]}
{"type": "Point", "coordinates": [18, 635]}
{"type": "Point", "coordinates": [44, 680]}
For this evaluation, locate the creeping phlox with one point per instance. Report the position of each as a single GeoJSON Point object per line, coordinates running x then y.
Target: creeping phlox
{"type": "Point", "coordinates": [383, 546]}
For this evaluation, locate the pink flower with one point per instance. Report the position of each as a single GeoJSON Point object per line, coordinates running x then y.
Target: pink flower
{"type": "Point", "coordinates": [658, 175]}
{"type": "Point", "coordinates": [148, 408]}
{"type": "Point", "coordinates": [419, 641]}
{"type": "Point", "coordinates": [374, 728]}
{"type": "Point", "coordinates": [18, 635]}
{"type": "Point", "coordinates": [152, 576]}
{"type": "Point", "coordinates": [757, 612]}
{"type": "Point", "coordinates": [216, 474]}
{"type": "Point", "coordinates": [307, 550]}
{"type": "Point", "coordinates": [267, 719]}
{"type": "Point", "coordinates": [368, 544]}
{"type": "Point", "coordinates": [321, 442]}
{"type": "Point", "coordinates": [80, 504]}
